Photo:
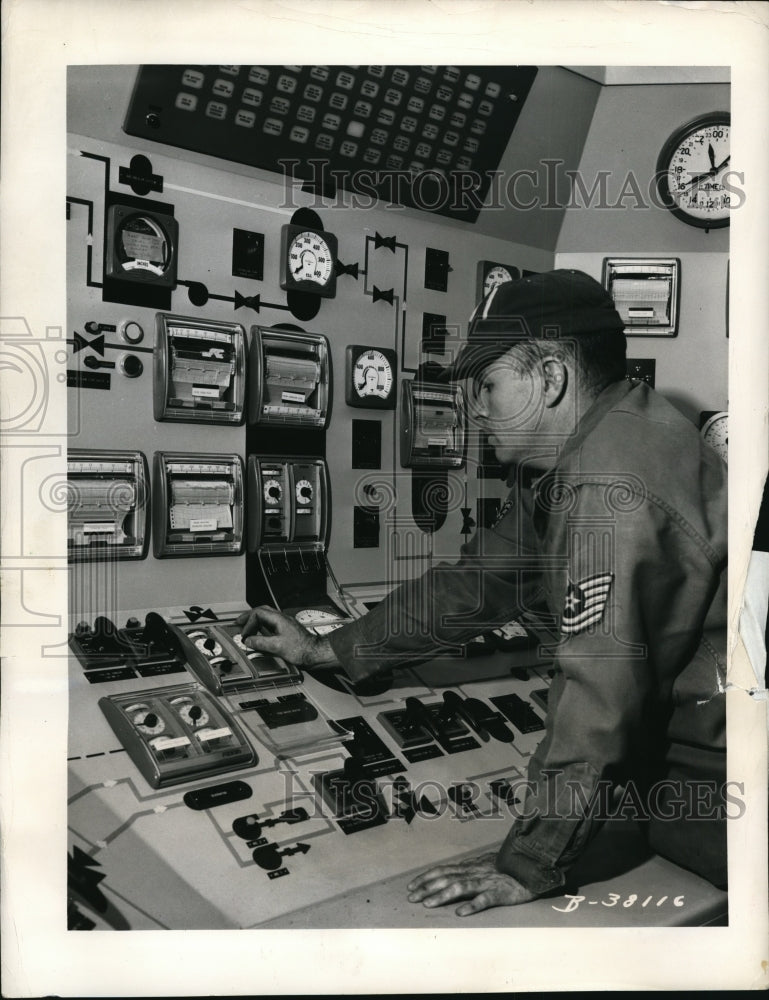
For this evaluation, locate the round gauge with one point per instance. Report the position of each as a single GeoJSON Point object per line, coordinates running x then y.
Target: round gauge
{"type": "Point", "coordinates": [373, 375]}
{"type": "Point", "coordinates": [715, 432]}
{"type": "Point", "coordinates": [498, 275]}
{"type": "Point", "coordinates": [273, 492]}
{"type": "Point", "coordinates": [491, 274]}
{"type": "Point", "coordinates": [308, 259]}
{"type": "Point", "coordinates": [370, 377]}
{"type": "Point", "coordinates": [190, 712]}
{"type": "Point", "coordinates": [691, 172]}
{"type": "Point", "coordinates": [146, 721]}
{"type": "Point", "coordinates": [313, 616]}
{"type": "Point", "coordinates": [304, 491]}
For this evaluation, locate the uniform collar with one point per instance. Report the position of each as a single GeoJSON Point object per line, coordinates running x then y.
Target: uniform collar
{"type": "Point", "coordinates": [527, 477]}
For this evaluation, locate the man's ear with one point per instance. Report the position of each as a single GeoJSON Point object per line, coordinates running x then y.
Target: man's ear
{"type": "Point", "coordinates": [556, 379]}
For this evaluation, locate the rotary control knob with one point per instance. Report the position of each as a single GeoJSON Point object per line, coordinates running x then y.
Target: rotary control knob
{"type": "Point", "coordinates": [304, 491]}
{"type": "Point", "coordinates": [273, 492]}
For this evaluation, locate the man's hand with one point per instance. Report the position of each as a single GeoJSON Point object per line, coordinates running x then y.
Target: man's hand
{"type": "Point", "coordinates": [476, 880]}
{"type": "Point", "coordinates": [268, 631]}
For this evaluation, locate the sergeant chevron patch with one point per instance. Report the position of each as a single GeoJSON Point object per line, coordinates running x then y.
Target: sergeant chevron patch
{"type": "Point", "coordinates": [585, 602]}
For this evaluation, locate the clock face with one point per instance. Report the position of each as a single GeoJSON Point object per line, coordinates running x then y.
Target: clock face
{"type": "Point", "coordinates": [716, 433]}
{"type": "Point", "coordinates": [692, 169]}
{"type": "Point", "coordinates": [308, 261]}
{"type": "Point", "coordinates": [491, 274]}
{"type": "Point", "coordinates": [370, 377]}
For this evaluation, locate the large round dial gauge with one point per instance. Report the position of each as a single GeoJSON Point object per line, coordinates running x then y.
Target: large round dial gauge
{"type": "Point", "coordinates": [370, 377]}
{"type": "Point", "coordinates": [715, 432]}
{"type": "Point", "coordinates": [490, 274]}
{"type": "Point", "coordinates": [693, 172]}
{"type": "Point", "coordinates": [304, 491]}
{"type": "Point", "coordinates": [498, 275]}
{"type": "Point", "coordinates": [373, 375]}
{"type": "Point", "coordinates": [273, 492]}
{"type": "Point", "coordinates": [308, 260]}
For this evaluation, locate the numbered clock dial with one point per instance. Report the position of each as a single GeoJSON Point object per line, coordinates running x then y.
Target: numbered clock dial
{"type": "Point", "coordinates": [308, 260]}
{"type": "Point", "coordinates": [715, 432]}
{"type": "Point", "coordinates": [371, 380]}
{"type": "Point", "coordinates": [693, 172]}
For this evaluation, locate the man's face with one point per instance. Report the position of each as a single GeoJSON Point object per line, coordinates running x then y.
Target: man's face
{"type": "Point", "coordinates": [509, 405]}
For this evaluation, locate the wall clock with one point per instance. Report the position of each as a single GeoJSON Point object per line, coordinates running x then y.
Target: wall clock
{"type": "Point", "coordinates": [370, 377]}
{"type": "Point", "coordinates": [308, 260]}
{"type": "Point", "coordinates": [490, 274]}
{"type": "Point", "coordinates": [715, 432]}
{"type": "Point", "coordinates": [691, 171]}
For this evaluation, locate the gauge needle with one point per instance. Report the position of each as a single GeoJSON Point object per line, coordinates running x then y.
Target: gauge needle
{"type": "Point", "coordinates": [711, 156]}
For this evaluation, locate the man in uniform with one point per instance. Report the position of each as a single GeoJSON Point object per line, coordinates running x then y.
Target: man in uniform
{"type": "Point", "coordinates": [615, 528]}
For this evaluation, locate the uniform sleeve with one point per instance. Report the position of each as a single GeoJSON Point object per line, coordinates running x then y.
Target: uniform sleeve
{"type": "Point", "coordinates": [497, 576]}
{"type": "Point", "coordinates": [639, 591]}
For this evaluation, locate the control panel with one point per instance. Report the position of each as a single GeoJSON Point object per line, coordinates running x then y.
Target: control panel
{"type": "Point", "coordinates": [210, 785]}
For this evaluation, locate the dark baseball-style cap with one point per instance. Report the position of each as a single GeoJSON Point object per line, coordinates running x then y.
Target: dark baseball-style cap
{"type": "Point", "coordinates": [554, 305]}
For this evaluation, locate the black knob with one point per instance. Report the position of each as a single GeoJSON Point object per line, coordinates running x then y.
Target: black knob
{"type": "Point", "coordinates": [195, 712]}
{"type": "Point", "coordinates": [131, 365]}
{"type": "Point", "coordinates": [152, 120]}
{"type": "Point", "coordinates": [82, 628]}
{"type": "Point", "coordinates": [92, 326]}
{"type": "Point", "coordinates": [247, 827]}
{"type": "Point", "coordinates": [150, 719]}
{"type": "Point", "coordinates": [133, 623]}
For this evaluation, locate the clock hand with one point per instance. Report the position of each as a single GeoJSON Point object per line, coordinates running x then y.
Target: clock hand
{"type": "Point", "coordinates": [709, 173]}
{"type": "Point", "coordinates": [696, 179]}
{"type": "Point", "coordinates": [711, 156]}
